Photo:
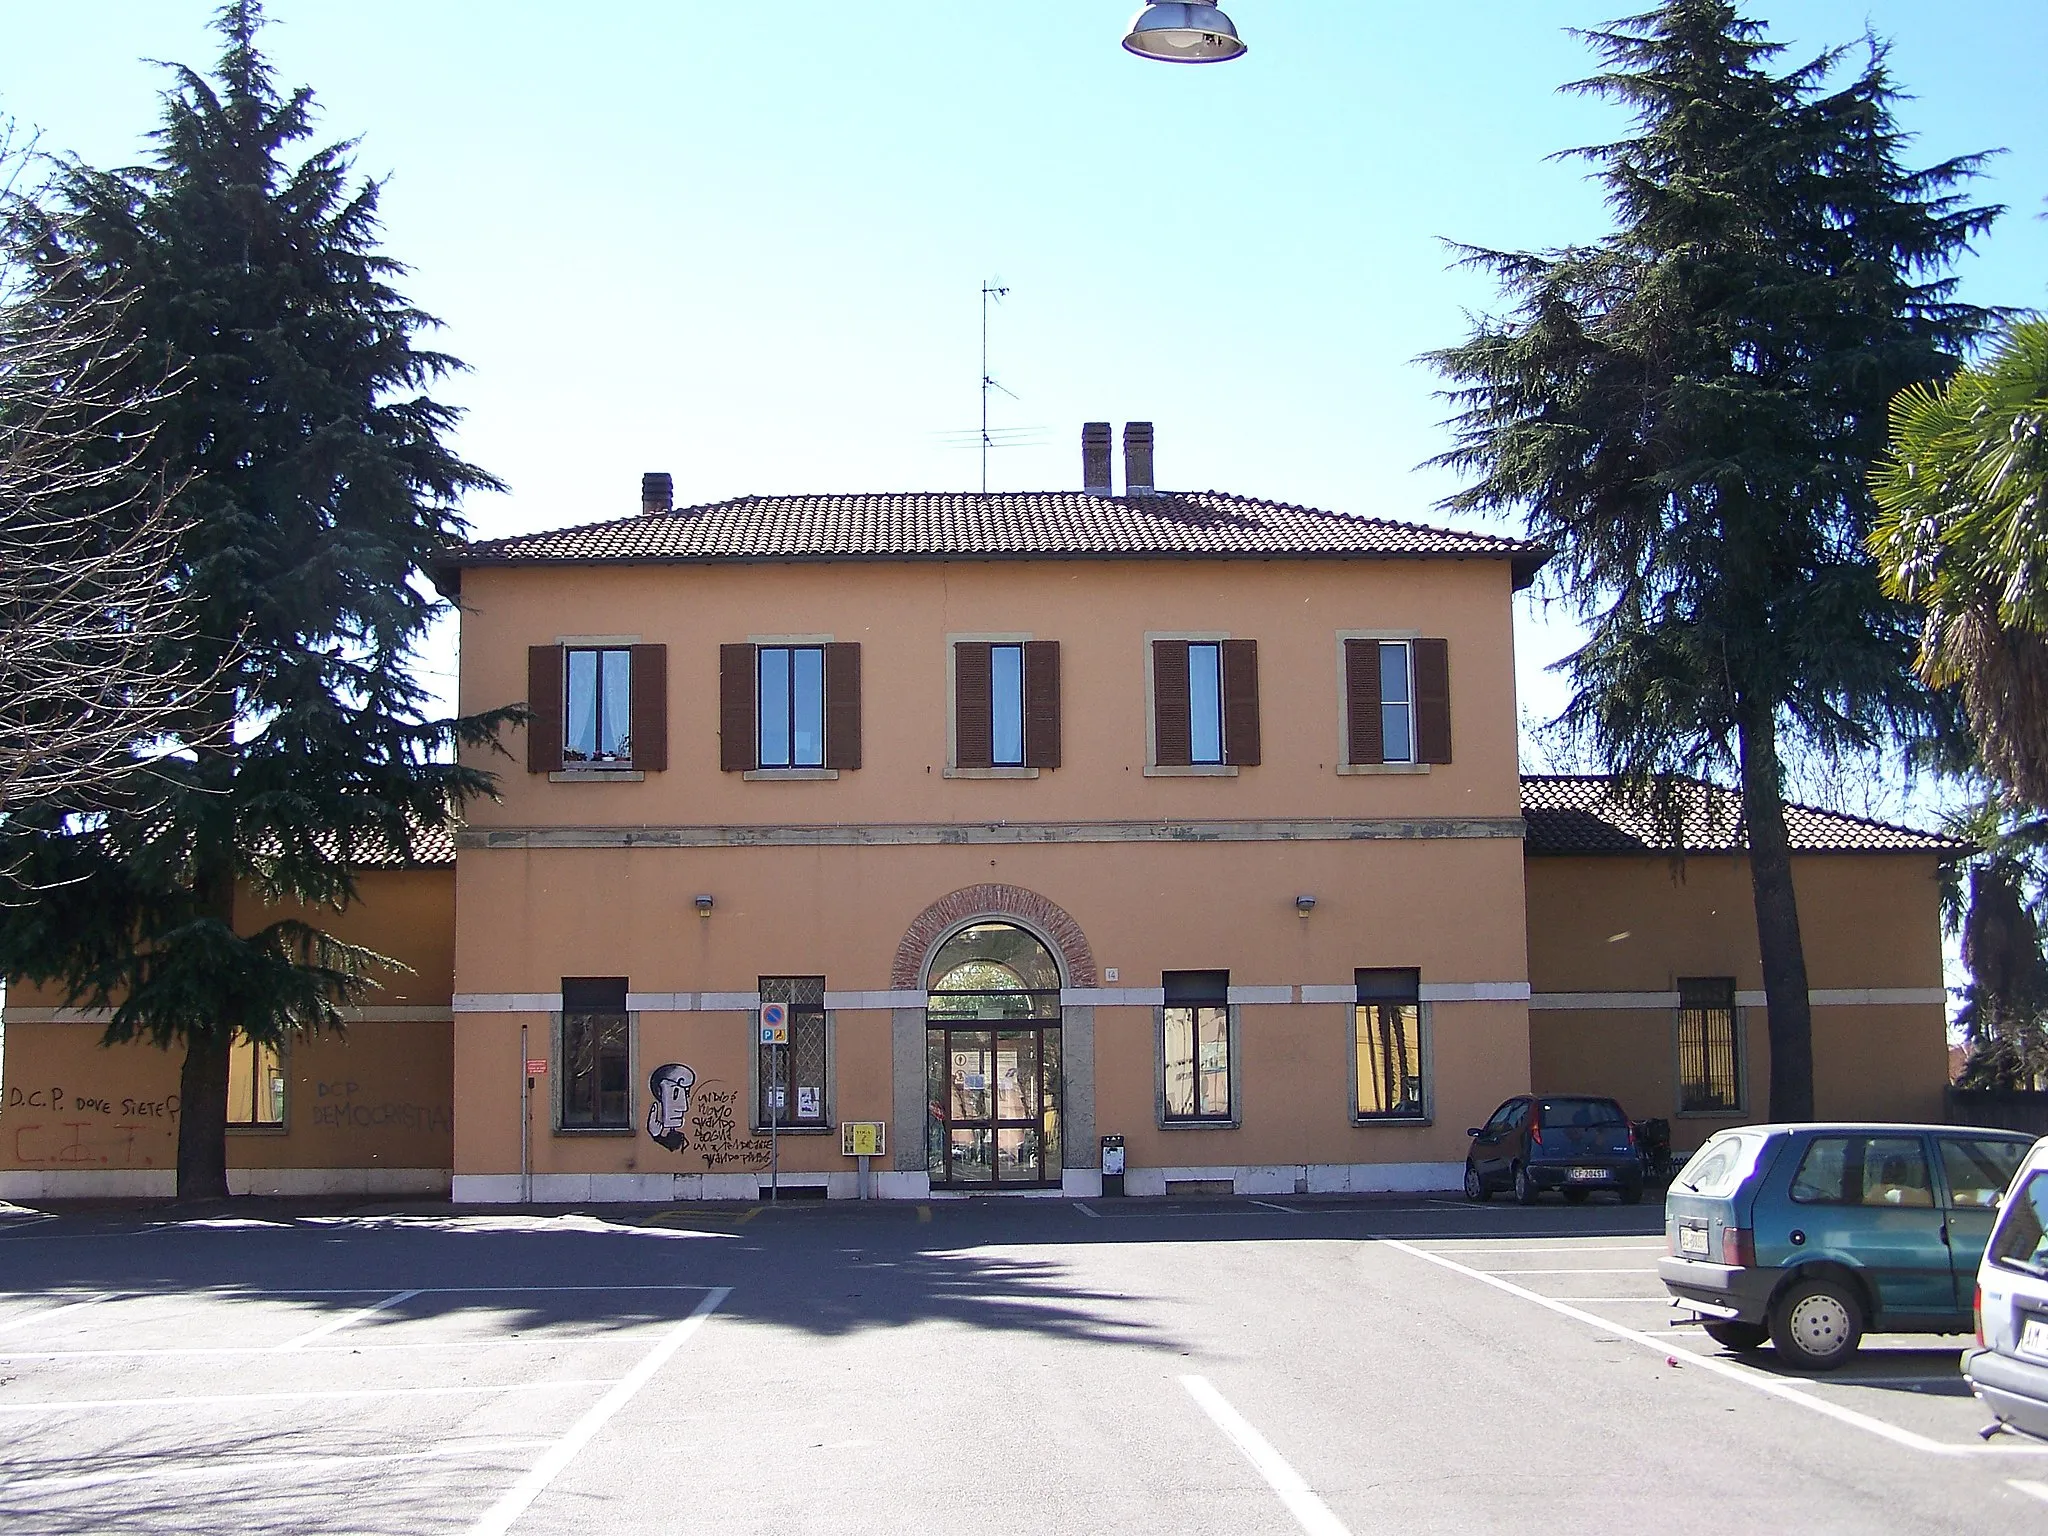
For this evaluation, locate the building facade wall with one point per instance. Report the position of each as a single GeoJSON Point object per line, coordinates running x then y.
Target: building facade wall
{"type": "Point", "coordinates": [1156, 872]}
{"type": "Point", "coordinates": [367, 1111]}
{"type": "Point", "coordinates": [1610, 936]}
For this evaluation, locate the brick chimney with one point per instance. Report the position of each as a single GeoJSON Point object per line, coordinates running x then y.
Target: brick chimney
{"type": "Point", "coordinates": [1138, 459]}
{"type": "Point", "coordinates": [1095, 458]}
{"type": "Point", "coordinates": [657, 494]}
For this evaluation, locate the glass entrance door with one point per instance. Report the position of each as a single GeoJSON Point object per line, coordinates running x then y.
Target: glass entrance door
{"type": "Point", "coordinates": [993, 1062]}
{"type": "Point", "coordinates": [994, 1113]}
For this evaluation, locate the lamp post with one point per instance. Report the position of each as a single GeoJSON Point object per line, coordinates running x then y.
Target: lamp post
{"type": "Point", "coordinates": [1179, 33]}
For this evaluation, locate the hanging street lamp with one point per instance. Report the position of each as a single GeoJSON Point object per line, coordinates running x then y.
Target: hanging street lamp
{"type": "Point", "coordinates": [1183, 34]}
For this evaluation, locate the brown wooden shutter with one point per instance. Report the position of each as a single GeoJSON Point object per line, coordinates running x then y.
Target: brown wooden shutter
{"type": "Point", "coordinates": [1171, 740]}
{"type": "Point", "coordinates": [1041, 704]}
{"type": "Point", "coordinates": [1432, 701]}
{"type": "Point", "coordinates": [1364, 733]}
{"type": "Point", "coordinates": [973, 705]}
{"type": "Point", "coordinates": [649, 688]}
{"type": "Point", "coordinates": [544, 698]}
{"type": "Point", "coordinates": [842, 705]}
{"type": "Point", "coordinates": [739, 747]}
{"type": "Point", "coordinates": [1241, 702]}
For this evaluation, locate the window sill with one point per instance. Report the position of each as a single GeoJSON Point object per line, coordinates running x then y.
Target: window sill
{"type": "Point", "coordinates": [1191, 771]}
{"type": "Point", "coordinates": [596, 776]}
{"type": "Point", "coordinates": [259, 1130]}
{"type": "Point", "coordinates": [1709, 1114]}
{"type": "Point", "coordinates": [1396, 1122]}
{"type": "Point", "coordinates": [1382, 768]}
{"type": "Point", "coordinates": [1232, 1124]}
{"type": "Point", "coordinates": [991, 773]}
{"type": "Point", "coordinates": [597, 1130]}
{"type": "Point", "coordinates": [796, 1130]}
{"type": "Point", "coordinates": [770, 775]}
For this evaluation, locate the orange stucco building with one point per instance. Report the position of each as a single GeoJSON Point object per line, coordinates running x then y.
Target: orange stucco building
{"type": "Point", "coordinates": [1013, 822]}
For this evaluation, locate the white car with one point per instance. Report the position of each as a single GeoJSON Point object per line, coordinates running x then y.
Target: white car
{"type": "Point", "coordinates": [2008, 1370]}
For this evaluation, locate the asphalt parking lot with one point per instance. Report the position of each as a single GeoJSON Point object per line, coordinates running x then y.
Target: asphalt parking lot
{"type": "Point", "coordinates": [1205, 1366]}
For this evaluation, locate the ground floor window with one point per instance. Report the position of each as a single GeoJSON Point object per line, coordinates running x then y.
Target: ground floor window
{"type": "Point", "coordinates": [595, 1055]}
{"type": "Point", "coordinates": [789, 1077]}
{"type": "Point", "coordinates": [256, 1085]}
{"type": "Point", "coordinates": [1709, 1048]}
{"type": "Point", "coordinates": [1389, 1059]}
{"type": "Point", "coordinates": [1197, 1054]}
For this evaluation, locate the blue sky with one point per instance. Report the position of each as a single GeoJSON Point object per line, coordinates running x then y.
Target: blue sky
{"type": "Point", "coordinates": [744, 242]}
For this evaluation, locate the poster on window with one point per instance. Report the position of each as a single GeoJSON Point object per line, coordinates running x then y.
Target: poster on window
{"type": "Point", "coordinates": [807, 1104]}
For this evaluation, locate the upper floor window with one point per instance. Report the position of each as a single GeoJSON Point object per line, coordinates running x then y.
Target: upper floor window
{"type": "Point", "coordinates": [598, 718]}
{"type": "Point", "coordinates": [597, 708]}
{"type": "Point", "coordinates": [1397, 701]}
{"type": "Point", "coordinates": [1006, 704]}
{"type": "Point", "coordinates": [788, 708]}
{"type": "Point", "coordinates": [1205, 703]}
{"type": "Point", "coordinates": [792, 706]}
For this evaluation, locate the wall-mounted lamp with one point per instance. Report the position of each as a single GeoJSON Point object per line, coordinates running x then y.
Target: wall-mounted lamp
{"type": "Point", "coordinates": [704, 905]}
{"type": "Point", "coordinates": [1303, 905]}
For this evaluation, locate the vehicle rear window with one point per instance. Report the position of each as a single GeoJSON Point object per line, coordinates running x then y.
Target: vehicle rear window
{"type": "Point", "coordinates": [1569, 1112]}
{"type": "Point", "coordinates": [1719, 1166]}
{"type": "Point", "coordinates": [1864, 1170]}
{"type": "Point", "coordinates": [2019, 1241]}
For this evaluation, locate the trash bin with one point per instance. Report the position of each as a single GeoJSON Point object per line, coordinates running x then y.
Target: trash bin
{"type": "Point", "coordinates": [1112, 1165]}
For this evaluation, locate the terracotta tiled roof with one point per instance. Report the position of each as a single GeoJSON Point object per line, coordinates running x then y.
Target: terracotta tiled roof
{"type": "Point", "coordinates": [994, 525]}
{"type": "Point", "coordinates": [1583, 814]}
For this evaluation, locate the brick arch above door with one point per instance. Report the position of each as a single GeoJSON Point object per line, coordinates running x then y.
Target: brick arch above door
{"type": "Point", "coordinates": [992, 902]}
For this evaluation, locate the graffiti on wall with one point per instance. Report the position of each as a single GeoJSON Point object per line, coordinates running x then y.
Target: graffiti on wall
{"type": "Point", "coordinates": [706, 1120]}
{"type": "Point", "coordinates": [342, 1105]}
{"type": "Point", "coordinates": [55, 1129]}
{"type": "Point", "coordinates": [668, 1116]}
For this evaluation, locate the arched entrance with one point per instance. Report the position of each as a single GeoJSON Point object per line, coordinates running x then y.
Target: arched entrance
{"type": "Point", "coordinates": [993, 1060]}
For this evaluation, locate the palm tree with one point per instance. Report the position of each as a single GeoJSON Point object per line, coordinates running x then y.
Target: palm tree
{"type": "Point", "coordinates": [1963, 532]}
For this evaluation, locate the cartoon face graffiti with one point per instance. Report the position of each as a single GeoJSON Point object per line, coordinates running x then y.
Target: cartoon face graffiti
{"type": "Point", "coordinates": [670, 1084]}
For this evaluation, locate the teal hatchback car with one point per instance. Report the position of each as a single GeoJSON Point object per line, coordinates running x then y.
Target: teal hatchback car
{"type": "Point", "coordinates": [1809, 1236]}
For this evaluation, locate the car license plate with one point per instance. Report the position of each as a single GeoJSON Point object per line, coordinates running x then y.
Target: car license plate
{"type": "Point", "coordinates": [2034, 1337]}
{"type": "Point", "coordinates": [1693, 1240]}
{"type": "Point", "coordinates": [1586, 1175]}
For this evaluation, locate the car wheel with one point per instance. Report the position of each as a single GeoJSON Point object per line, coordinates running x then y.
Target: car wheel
{"type": "Point", "coordinates": [1475, 1186]}
{"type": "Point", "coordinates": [1739, 1336]}
{"type": "Point", "coordinates": [1576, 1196]}
{"type": "Point", "coordinates": [1525, 1187]}
{"type": "Point", "coordinates": [1631, 1194]}
{"type": "Point", "coordinates": [1816, 1324]}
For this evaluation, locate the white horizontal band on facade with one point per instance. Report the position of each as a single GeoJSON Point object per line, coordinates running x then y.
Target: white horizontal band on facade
{"type": "Point", "coordinates": [1819, 997]}
{"type": "Point", "coordinates": [1319, 829]}
{"type": "Point", "coordinates": [1275, 995]}
{"type": "Point", "coordinates": [423, 1013]}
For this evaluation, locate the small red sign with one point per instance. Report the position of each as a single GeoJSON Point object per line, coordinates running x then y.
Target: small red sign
{"type": "Point", "coordinates": [537, 1068]}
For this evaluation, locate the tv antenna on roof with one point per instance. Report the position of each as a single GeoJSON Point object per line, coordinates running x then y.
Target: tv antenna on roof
{"type": "Point", "coordinates": [988, 291]}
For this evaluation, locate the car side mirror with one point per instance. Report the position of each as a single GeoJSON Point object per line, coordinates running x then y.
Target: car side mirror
{"type": "Point", "coordinates": [1473, 1130]}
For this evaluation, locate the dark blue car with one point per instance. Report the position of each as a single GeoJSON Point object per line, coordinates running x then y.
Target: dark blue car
{"type": "Point", "coordinates": [1565, 1142]}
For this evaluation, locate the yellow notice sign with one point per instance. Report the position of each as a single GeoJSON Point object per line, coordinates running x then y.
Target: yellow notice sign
{"type": "Point", "coordinates": [863, 1138]}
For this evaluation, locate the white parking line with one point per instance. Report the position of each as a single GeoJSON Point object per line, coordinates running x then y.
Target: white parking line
{"type": "Point", "coordinates": [481, 1341]}
{"type": "Point", "coordinates": [1784, 1390]}
{"type": "Point", "coordinates": [36, 1317]}
{"type": "Point", "coordinates": [1285, 1210]}
{"type": "Point", "coordinates": [1310, 1512]}
{"type": "Point", "coordinates": [89, 1404]}
{"type": "Point", "coordinates": [2032, 1490]}
{"type": "Point", "coordinates": [1583, 1269]}
{"type": "Point", "coordinates": [1095, 1215]}
{"type": "Point", "coordinates": [498, 1519]}
{"type": "Point", "coordinates": [335, 1325]}
{"type": "Point", "coordinates": [265, 1467]}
